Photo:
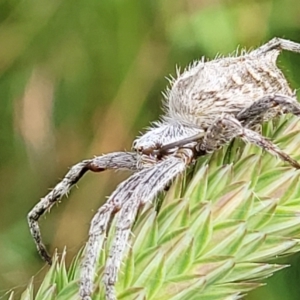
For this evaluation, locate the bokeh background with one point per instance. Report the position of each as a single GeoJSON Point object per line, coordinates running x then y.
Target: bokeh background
{"type": "Point", "coordinates": [80, 78]}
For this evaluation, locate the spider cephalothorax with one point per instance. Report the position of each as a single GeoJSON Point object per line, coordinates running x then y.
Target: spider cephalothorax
{"type": "Point", "coordinates": [207, 106]}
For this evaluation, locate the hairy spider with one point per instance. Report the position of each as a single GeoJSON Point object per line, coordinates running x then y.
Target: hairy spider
{"type": "Point", "coordinates": [206, 106]}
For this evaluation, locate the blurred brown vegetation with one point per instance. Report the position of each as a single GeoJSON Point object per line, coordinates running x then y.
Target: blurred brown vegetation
{"type": "Point", "coordinates": [80, 78]}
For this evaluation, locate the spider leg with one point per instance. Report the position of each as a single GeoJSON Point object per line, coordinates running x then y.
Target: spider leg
{"type": "Point", "coordinates": [172, 147]}
{"type": "Point", "coordinates": [227, 127]}
{"type": "Point", "coordinates": [116, 160]}
{"type": "Point", "coordinates": [140, 188]}
{"type": "Point", "coordinates": [277, 44]}
{"type": "Point", "coordinates": [257, 139]}
{"type": "Point", "coordinates": [254, 113]}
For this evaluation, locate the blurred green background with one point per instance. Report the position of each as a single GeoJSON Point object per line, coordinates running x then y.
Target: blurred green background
{"type": "Point", "coordinates": [81, 78]}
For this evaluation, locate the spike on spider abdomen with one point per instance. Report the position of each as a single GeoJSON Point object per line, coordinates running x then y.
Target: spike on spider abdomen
{"type": "Point", "coordinates": [206, 106]}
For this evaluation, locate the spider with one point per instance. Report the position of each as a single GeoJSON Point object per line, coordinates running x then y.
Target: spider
{"type": "Point", "coordinates": [206, 106]}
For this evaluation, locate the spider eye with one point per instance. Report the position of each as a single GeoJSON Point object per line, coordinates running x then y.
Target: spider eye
{"type": "Point", "coordinates": [137, 148]}
{"type": "Point", "coordinates": [134, 145]}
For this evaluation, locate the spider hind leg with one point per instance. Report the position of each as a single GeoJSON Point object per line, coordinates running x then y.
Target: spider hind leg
{"type": "Point", "coordinates": [277, 44]}
{"type": "Point", "coordinates": [226, 127]}
{"type": "Point", "coordinates": [255, 113]}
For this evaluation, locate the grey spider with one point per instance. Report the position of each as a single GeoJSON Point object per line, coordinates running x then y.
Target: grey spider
{"type": "Point", "coordinates": [206, 106]}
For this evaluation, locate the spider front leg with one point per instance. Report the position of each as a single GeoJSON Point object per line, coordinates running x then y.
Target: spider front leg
{"type": "Point", "coordinates": [254, 113]}
{"type": "Point", "coordinates": [116, 160]}
{"type": "Point", "coordinates": [140, 188]}
{"type": "Point", "coordinates": [225, 128]}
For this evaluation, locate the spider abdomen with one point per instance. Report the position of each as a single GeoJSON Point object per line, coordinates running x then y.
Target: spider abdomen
{"type": "Point", "coordinates": [202, 92]}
